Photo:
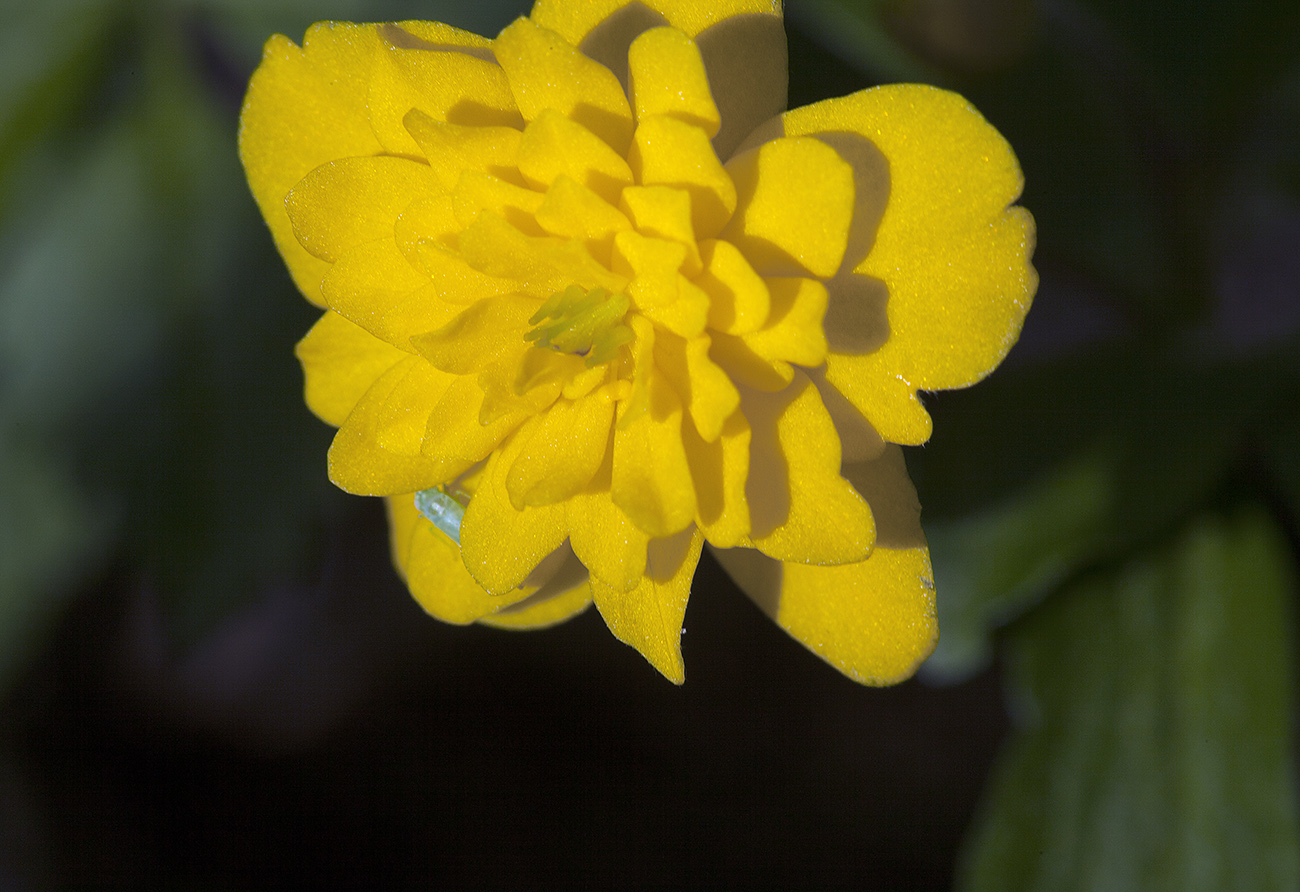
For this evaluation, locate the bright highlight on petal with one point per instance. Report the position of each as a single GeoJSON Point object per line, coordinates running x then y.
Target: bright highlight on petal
{"type": "Point", "coordinates": [592, 302]}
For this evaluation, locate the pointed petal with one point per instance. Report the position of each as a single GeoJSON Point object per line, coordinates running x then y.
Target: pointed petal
{"type": "Point", "coordinates": [649, 617]}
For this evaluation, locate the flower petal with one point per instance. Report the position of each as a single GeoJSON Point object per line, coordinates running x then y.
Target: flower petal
{"type": "Point", "coordinates": [430, 564]}
{"type": "Point", "coordinates": [669, 152]}
{"type": "Point", "coordinates": [651, 478]}
{"type": "Point", "coordinates": [666, 76]}
{"type": "Point", "coordinates": [738, 297]}
{"type": "Point", "coordinates": [448, 74]}
{"type": "Point", "coordinates": [793, 332]}
{"type": "Point", "coordinates": [575, 21]}
{"type": "Point", "coordinates": [377, 450]}
{"type": "Point", "coordinates": [800, 507]}
{"type": "Point", "coordinates": [547, 72]}
{"type": "Point", "coordinates": [649, 617]}
{"type": "Point", "coordinates": [377, 288]}
{"type": "Point", "coordinates": [563, 451]}
{"type": "Point", "coordinates": [500, 544]}
{"type": "Point", "coordinates": [305, 106]}
{"type": "Point", "coordinates": [794, 208]}
{"type": "Point", "coordinates": [346, 203]}
{"type": "Point", "coordinates": [567, 594]}
{"type": "Point", "coordinates": [957, 272]}
{"type": "Point", "coordinates": [873, 620]}
{"type": "Point", "coordinates": [341, 361]}
{"type": "Point", "coordinates": [611, 546]}
{"type": "Point", "coordinates": [720, 470]}
{"type": "Point", "coordinates": [553, 146]}
{"type": "Point", "coordinates": [453, 148]}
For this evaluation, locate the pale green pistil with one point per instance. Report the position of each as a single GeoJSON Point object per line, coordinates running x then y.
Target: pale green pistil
{"type": "Point", "coordinates": [584, 323]}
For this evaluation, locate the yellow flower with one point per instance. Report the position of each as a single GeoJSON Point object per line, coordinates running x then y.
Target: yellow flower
{"type": "Point", "coordinates": [593, 300]}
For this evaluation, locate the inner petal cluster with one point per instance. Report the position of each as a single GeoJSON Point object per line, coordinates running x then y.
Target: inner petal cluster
{"type": "Point", "coordinates": [601, 307]}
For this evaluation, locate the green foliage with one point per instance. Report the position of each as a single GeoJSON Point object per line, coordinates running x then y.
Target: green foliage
{"type": "Point", "coordinates": [1153, 749]}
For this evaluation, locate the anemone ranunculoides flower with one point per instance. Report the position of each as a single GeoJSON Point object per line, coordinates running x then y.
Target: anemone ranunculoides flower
{"type": "Point", "coordinates": [593, 299]}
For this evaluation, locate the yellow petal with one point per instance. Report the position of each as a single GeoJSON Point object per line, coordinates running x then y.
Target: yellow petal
{"type": "Point", "coordinates": [793, 332]}
{"type": "Point", "coordinates": [341, 361]}
{"type": "Point", "coordinates": [795, 204]}
{"type": "Point", "coordinates": [720, 470]}
{"type": "Point", "coordinates": [477, 335]}
{"type": "Point", "coordinates": [453, 148]}
{"type": "Point", "coordinates": [873, 620]}
{"type": "Point", "coordinates": [562, 452]}
{"type": "Point", "coordinates": [572, 210]}
{"type": "Point", "coordinates": [349, 202]}
{"type": "Point", "coordinates": [455, 433]}
{"type": "Point", "coordinates": [452, 77]}
{"type": "Point", "coordinates": [377, 450]}
{"type": "Point", "coordinates": [662, 212]}
{"type": "Point", "coordinates": [375, 286]}
{"type": "Point", "coordinates": [574, 21]}
{"type": "Point", "coordinates": [800, 507]}
{"type": "Point", "coordinates": [746, 367]}
{"type": "Point", "coordinates": [547, 72]}
{"type": "Point", "coordinates": [477, 191]}
{"type": "Point", "coordinates": [667, 77]}
{"type": "Point", "coordinates": [553, 146]}
{"type": "Point", "coordinates": [430, 564]}
{"type": "Point", "coordinates": [542, 265]}
{"type": "Point", "coordinates": [649, 617]}
{"type": "Point", "coordinates": [566, 595]}
{"type": "Point", "coordinates": [738, 297]}
{"type": "Point", "coordinates": [304, 107]}
{"type": "Point", "coordinates": [706, 389]}
{"type": "Point", "coordinates": [602, 536]}
{"type": "Point", "coordinates": [957, 271]}
{"type": "Point", "coordinates": [499, 544]}
{"type": "Point", "coordinates": [651, 479]}
{"type": "Point", "coordinates": [669, 152]}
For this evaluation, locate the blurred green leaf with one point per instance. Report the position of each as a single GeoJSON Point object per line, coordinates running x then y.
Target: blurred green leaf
{"type": "Point", "coordinates": [50, 535]}
{"type": "Point", "coordinates": [49, 54]}
{"type": "Point", "coordinates": [1155, 733]}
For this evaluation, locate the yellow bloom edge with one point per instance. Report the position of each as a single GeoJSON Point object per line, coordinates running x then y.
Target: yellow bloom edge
{"type": "Point", "coordinates": [752, 304]}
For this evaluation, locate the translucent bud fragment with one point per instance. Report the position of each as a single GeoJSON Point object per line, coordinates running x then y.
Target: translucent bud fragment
{"type": "Point", "coordinates": [584, 323]}
{"type": "Point", "coordinates": [443, 509]}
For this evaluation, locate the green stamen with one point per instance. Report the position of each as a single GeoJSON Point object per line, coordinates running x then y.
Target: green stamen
{"type": "Point", "coordinates": [585, 323]}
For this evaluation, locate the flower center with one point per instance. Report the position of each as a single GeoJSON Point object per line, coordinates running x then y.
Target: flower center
{"type": "Point", "coordinates": [584, 323]}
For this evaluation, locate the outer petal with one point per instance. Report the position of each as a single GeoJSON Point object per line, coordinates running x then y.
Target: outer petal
{"type": "Point", "coordinates": [500, 545]}
{"type": "Point", "coordinates": [575, 21]}
{"type": "Point", "coordinates": [341, 361]}
{"type": "Point", "coordinates": [377, 450]}
{"type": "Point", "coordinates": [649, 617]}
{"type": "Point", "coordinates": [873, 620]}
{"type": "Point", "coordinates": [952, 254]}
{"type": "Point", "coordinates": [431, 566]}
{"type": "Point", "coordinates": [566, 595]}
